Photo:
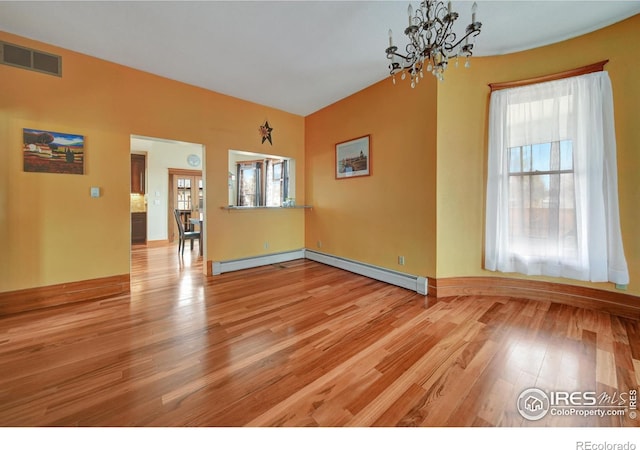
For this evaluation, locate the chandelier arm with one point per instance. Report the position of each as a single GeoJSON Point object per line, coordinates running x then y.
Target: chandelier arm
{"type": "Point", "coordinates": [447, 35]}
{"type": "Point", "coordinates": [411, 54]}
{"type": "Point", "coordinates": [404, 58]}
{"type": "Point", "coordinates": [394, 66]}
{"type": "Point", "coordinates": [469, 34]}
{"type": "Point", "coordinates": [420, 12]}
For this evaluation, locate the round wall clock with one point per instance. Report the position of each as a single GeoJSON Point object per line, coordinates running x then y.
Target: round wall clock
{"type": "Point", "coordinates": [193, 160]}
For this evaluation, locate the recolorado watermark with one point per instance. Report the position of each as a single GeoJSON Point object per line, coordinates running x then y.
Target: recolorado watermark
{"type": "Point", "coordinates": [588, 445]}
{"type": "Point", "coordinates": [534, 404]}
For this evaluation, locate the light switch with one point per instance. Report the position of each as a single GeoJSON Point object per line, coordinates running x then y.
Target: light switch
{"type": "Point", "coordinates": [95, 192]}
{"type": "Point", "coordinates": [156, 202]}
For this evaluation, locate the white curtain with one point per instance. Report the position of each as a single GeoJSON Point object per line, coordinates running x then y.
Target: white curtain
{"type": "Point", "coordinates": [552, 187]}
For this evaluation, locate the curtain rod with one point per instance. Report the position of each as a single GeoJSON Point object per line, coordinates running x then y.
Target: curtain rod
{"type": "Point", "coordinates": [595, 67]}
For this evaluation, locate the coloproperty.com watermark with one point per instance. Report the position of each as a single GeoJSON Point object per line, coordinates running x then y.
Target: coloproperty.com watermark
{"type": "Point", "coordinates": [534, 404]}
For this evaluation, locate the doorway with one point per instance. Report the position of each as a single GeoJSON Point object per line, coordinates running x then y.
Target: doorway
{"type": "Point", "coordinates": [186, 194]}
{"type": "Point", "coordinates": [184, 159]}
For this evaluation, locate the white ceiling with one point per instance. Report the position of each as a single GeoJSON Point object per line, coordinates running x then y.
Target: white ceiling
{"type": "Point", "coordinates": [298, 56]}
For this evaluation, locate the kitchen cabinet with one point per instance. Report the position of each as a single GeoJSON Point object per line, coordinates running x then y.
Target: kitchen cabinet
{"type": "Point", "coordinates": [139, 228]}
{"type": "Point", "coordinates": [138, 170]}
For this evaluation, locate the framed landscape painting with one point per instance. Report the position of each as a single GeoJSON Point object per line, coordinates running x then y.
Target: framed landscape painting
{"type": "Point", "coordinates": [52, 152]}
{"type": "Point", "coordinates": [353, 158]}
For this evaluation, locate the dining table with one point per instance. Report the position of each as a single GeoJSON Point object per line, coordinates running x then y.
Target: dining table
{"type": "Point", "coordinates": [199, 221]}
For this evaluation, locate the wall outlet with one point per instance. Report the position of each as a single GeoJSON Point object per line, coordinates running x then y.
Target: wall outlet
{"type": "Point", "coordinates": [621, 287]}
{"type": "Point", "coordinates": [319, 244]}
{"type": "Point", "coordinates": [266, 245]}
{"type": "Point", "coordinates": [401, 260]}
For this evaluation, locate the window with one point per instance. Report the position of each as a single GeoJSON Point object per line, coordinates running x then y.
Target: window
{"type": "Point", "coordinates": [277, 182]}
{"type": "Point", "coordinates": [542, 200]}
{"type": "Point", "coordinates": [249, 184]}
{"type": "Point", "coordinates": [552, 204]}
{"type": "Point", "coordinates": [186, 188]}
{"type": "Point", "coordinates": [184, 194]}
{"type": "Point", "coordinates": [267, 181]}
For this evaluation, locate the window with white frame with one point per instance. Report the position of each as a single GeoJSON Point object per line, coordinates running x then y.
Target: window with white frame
{"type": "Point", "coordinates": [542, 205]}
{"type": "Point", "coordinates": [552, 206]}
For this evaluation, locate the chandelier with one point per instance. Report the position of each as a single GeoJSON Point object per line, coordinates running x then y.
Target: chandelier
{"type": "Point", "coordinates": [432, 42]}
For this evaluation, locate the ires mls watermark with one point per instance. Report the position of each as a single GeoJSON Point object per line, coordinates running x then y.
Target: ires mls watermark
{"type": "Point", "coordinates": [534, 403]}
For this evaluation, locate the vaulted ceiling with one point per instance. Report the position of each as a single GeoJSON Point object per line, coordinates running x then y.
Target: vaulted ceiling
{"type": "Point", "coordinates": [298, 56]}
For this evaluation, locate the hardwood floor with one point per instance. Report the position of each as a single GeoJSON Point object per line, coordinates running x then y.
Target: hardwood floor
{"type": "Point", "coordinates": [302, 344]}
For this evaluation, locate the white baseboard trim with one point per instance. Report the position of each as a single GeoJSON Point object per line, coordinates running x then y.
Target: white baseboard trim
{"type": "Point", "coordinates": [405, 280]}
{"type": "Point", "coordinates": [219, 267]}
{"type": "Point", "coordinates": [412, 282]}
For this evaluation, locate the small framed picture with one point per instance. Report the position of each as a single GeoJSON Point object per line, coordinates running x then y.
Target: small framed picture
{"type": "Point", "coordinates": [353, 158]}
{"type": "Point", "coordinates": [52, 152]}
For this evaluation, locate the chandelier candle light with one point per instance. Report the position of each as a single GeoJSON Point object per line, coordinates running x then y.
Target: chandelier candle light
{"type": "Point", "coordinates": [432, 41]}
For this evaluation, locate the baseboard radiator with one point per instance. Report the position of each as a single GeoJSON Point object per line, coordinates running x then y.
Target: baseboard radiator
{"type": "Point", "coordinates": [220, 267]}
{"type": "Point", "coordinates": [407, 281]}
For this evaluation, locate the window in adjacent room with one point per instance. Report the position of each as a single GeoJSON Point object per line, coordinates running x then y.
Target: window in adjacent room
{"type": "Point", "coordinates": [277, 182]}
{"type": "Point", "coordinates": [552, 206]}
{"type": "Point", "coordinates": [266, 181]}
{"type": "Point", "coordinates": [183, 200]}
{"type": "Point", "coordinates": [249, 183]}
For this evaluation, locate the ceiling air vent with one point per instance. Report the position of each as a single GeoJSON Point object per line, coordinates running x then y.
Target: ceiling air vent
{"type": "Point", "coordinates": [28, 58]}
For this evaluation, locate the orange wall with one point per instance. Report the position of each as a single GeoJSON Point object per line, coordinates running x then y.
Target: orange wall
{"type": "Point", "coordinates": [462, 142]}
{"type": "Point", "coordinates": [52, 232]}
{"type": "Point", "coordinates": [424, 199]}
{"type": "Point", "coordinates": [375, 219]}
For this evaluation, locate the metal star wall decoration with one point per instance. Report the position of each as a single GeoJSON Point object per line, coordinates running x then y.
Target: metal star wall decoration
{"type": "Point", "coordinates": [265, 132]}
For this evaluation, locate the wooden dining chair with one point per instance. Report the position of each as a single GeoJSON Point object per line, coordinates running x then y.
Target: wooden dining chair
{"type": "Point", "coordinates": [184, 235]}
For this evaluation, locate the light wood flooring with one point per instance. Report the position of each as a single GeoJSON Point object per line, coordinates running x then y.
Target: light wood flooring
{"type": "Point", "coordinates": [301, 344]}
